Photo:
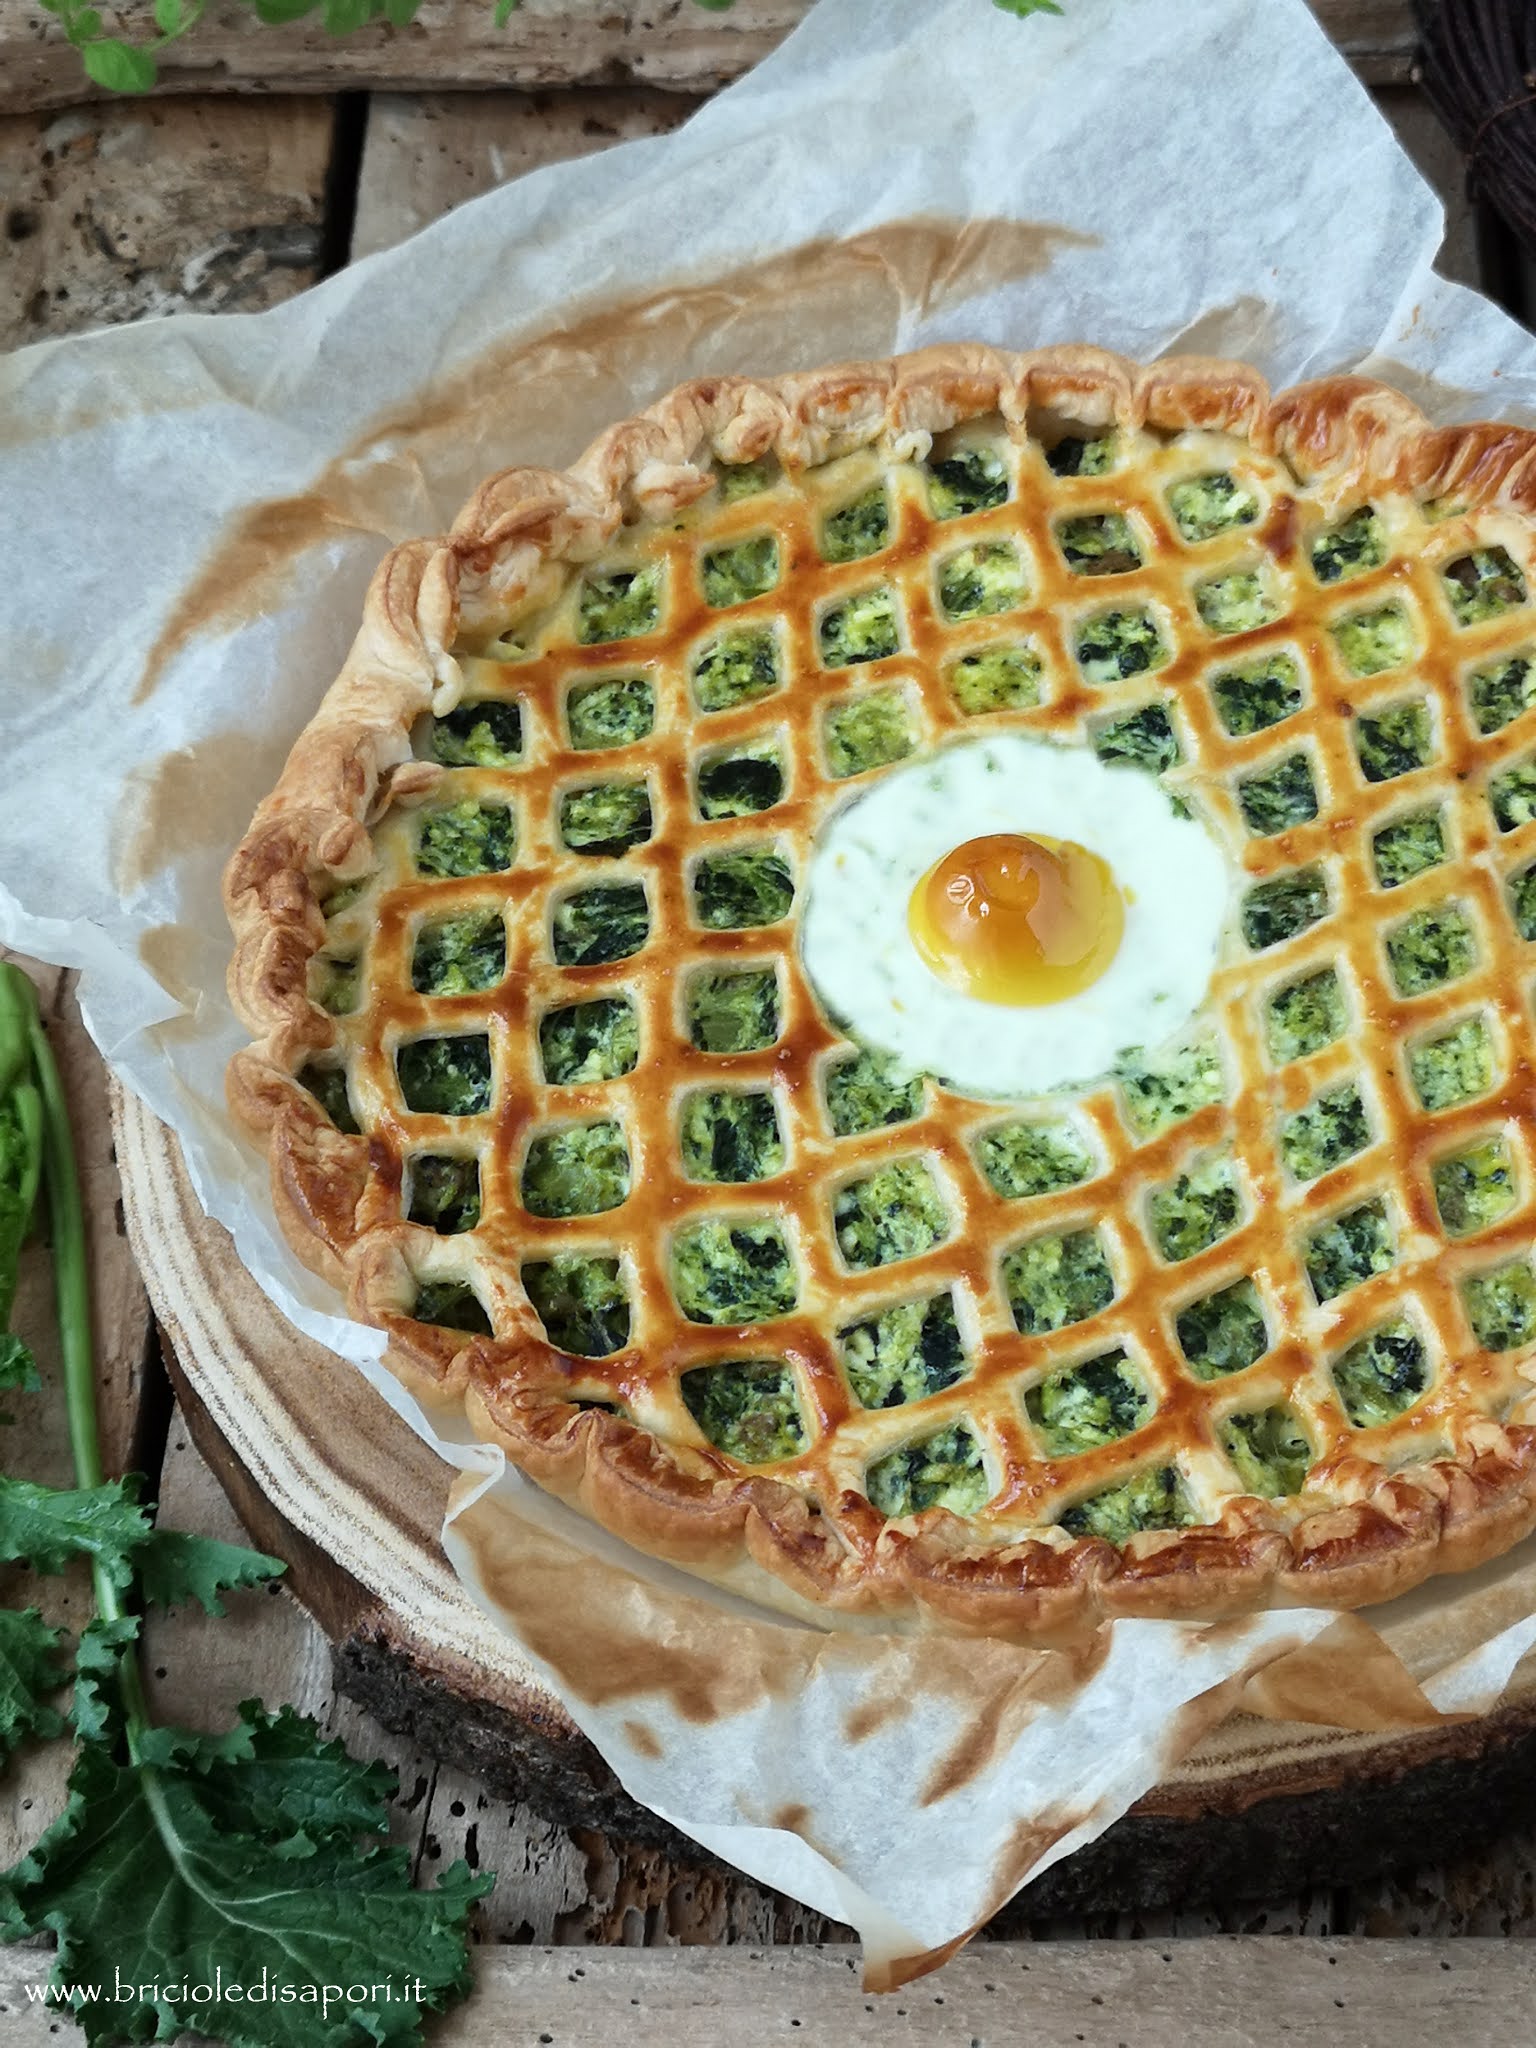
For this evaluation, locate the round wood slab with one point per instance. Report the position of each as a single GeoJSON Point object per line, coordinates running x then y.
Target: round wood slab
{"type": "Point", "coordinates": [325, 1475]}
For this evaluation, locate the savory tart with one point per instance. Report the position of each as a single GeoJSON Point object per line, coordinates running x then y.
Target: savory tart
{"type": "Point", "coordinates": [915, 983]}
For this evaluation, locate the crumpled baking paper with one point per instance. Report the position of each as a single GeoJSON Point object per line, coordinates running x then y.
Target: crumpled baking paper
{"type": "Point", "coordinates": [194, 507]}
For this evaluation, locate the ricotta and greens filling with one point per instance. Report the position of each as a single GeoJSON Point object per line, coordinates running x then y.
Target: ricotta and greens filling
{"type": "Point", "coordinates": [742, 890]}
{"type": "Point", "coordinates": [460, 956]}
{"type": "Point", "coordinates": [736, 574]}
{"type": "Point", "coordinates": [448, 1076]}
{"type": "Point", "coordinates": [1454, 1067]}
{"type": "Point", "coordinates": [1154, 1499]}
{"type": "Point", "coordinates": [1196, 1210]}
{"type": "Point", "coordinates": [1501, 1305]}
{"type": "Point", "coordinates": [966, 480]}
{"type": "Point", "coordinates": [468, 838]}
{"type": "Point", "coordinates": [1113, 646]}
{"type": "Point", "coordinates": [905, 1353]}
{"type": "Point", "coordinates": [1237, 602]}
{"type": "Point", "coordinates": [594, 1041]}
{"type": "Point", "coordinates": [1204, 506]}
{"type": "Point", "coordinates": [1475, 1187]}
{"type": "Point", "coordinates": [451, 1305]}
{"type": "Point", "coordinates": [859, 528]}
{"type": "Point", "coordinates": [731, 1135]}
{"type": "Point", "coordinates": [737, 667]}
{"type": "Point", "coordinates": [328, 1085]}
{"type": "Point", "coordinates": [621, 605]}
{"type": "Point", "coordinates": [749, 1409]}
{"type": "Point", "coordinates": [734, 1012]}
{"type": "Point", "coordinates": [595, 926]}
{"type": "Point", "coordinates": [894, 1213]}
{"type": "Point", "coordinates": [1482, 585]}
{"type": "Point", "coordinates": [981, 580]}
{"type": "Point", "coordinates": [1306, 1016]}
{"type": "Point", "coordinates": [944, 1470]}
{"type": "Point", "coordinates": [1224, 1332]}
{"type": "Point", "coordinates": [1254, 695]}
{"type": "Point", "coordinates": [1001, 678]}
{"type": "Point", "coordinates": [733, 1272]}
{"type": "Point", "coordinates": [1435, 945]}
{"type": "Point", "coordinates": [863, 627]}
{"type": "Point", "coordinates": [445, 1192]}
{"type": "Point", "coordinates": [581, 1302]}
{"type": "Point", "coordinates": [1098, 544]}
{"type": "Point", "coordinates": [1327, 1132]}
{"type": "Point", "coordinates": [580, 1170]}
{"type": "Point", "coordinates": [1284, 907]}
{"type": "Point", "coordinates": [871, 730]}
{"type": "Point", "coordinates": [1395, 741]}
{"type": "Point", "coordinates": [866, 1090]}
{"type": "Point", "coordinates": [740, 781]}
{"type": "Point", "coordinates": [1171, 1085]}
{"type": "Point", "coordinates": [1349, 1249]}
{"type": "Point", "coordinates": [1407, 847]}
{"type": "Point", "coordinates": [614, 712]}
{"type": "Point", "coordinates": [609, 818]}
{"type": "Point", "coordinates": [1022, 1158]}
{"type": "Point", "coordinates": [1371, 642]}
{"type": "Point", "coordinates": [488, 734]}
{"type": "Point", "coordinates": [1279, 797]}
{"type": "Point", "coordinates": [1381, 1375]}
{"type": "Point", "coordinates": [1052, 1282]}
{"type": "Point", "coordinates": [1083, 1406]}
{"type": "Point", "coordinates": [1269, 1451]}
{"type": "Point", "coordinates": [1513, 796]}
{"type": "Point", "coordinates": [1353, 548]}
{"type": "Point", "coordinates": [1142, 739]}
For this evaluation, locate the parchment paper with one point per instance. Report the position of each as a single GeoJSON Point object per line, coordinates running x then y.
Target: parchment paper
{"type": "Point", "coordinates": [193, 509]}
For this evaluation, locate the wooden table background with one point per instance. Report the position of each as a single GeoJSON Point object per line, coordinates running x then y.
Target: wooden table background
{"type": "Point", "coordinates": [121, 210]}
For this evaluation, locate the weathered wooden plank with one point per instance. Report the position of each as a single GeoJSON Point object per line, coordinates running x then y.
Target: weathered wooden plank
{"type": "Point", "coordinates": [1197, 1994]}
{"type": "Point", "coordinates": [119, 212]}
{"type": "Point", "coordinates": [426, 153]}
{"type": "Point", "coordinates": [670, 43]}
{"type": "Point", "coordinates": [36, 1444]}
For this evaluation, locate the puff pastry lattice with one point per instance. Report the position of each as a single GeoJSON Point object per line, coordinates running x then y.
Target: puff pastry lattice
{"type": "Point", "coordinates": [1251, 1321]}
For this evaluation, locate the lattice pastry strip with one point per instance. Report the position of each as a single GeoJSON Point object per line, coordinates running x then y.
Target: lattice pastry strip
{"type": "Point", "coordinates": [545, 1080]}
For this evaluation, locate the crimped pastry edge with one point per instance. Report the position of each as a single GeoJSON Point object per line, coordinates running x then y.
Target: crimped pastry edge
{"type": "Point", "coordinates": [1340, 435]}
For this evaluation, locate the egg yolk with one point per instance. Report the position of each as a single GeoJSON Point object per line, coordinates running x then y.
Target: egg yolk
{"type": "Point", "coordinates": [1014, 920]}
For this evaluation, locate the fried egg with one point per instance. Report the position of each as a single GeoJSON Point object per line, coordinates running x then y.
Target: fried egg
{"type": "Point", "coordinates": [1012, 916]}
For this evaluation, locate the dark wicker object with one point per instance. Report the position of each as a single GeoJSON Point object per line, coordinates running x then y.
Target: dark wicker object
{"type": "Point", "coordinates": [1479, 72]}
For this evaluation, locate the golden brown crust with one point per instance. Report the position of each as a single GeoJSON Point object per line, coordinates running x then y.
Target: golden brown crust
{"type": "Point", "coordinates": [1366, 1534]}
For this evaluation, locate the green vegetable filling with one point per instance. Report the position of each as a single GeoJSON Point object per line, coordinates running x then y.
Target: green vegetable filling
{"type": "Point", "coordinates": [981, 580]}
{"type": "Point", "coordinates": [904, 1353]}
{"type": "Point", "coordinates": [1022, 1159]}
{"type": "Point", "coordinates": [733, 1272]}
{"type": "Point", "coordinates": [1211, 504]}
{"type": "Point", "coordinates": [1195, 1211]}
{"type": "Point", "coordinates": [445, 1192]}
{"type": "Point", "coordinates": [1088, 1405]}
{"type": "Point", "coordinates": [862, 628]}
{"type": "Point", "coordinates": [730, 1013]}
{"type": "Point", "coordinates": [733, 575]}
{"type": "Point", "coordinates": [1349, 1250]}
{"type": "Point", "coordinates": [747, 1409]}
{"type": "Point", "coordinates": [1453, 1068]}
{"type": "Point", "coordinates": [484, 735]}
{"type": "Point", "coordinates": [746, 479]}
{"type": "Point", "coordinates": [1154, 1499]}
{"type": "Point", "coordinates": [736, 668]}
{"type": "Point", "coordinates": [451, 1305]}
{"type": "Point", "coordinates": [894, 1213]}
{"type": "Point", "coordinates": [1394, 742]}
{"type": "Point", "coordinates": [609, 818]}
{"type": "Point", "coordinates": [1114, 646]}
{"type": "Point", "coordinates": [580, 1170]}
{"type": "Point", "coordinates": [620, 605]}
{"type": "Point", "coordinates": [467, 838]}
{"type": "Point", "coordinates": [868, 731]}
{"type": "Point", "coordinates": [866, 1090]}
{"type": "Point", "coordinates": [613, 713]}
{"type": "Point", "coordinates": [1269, 1450]}
{"type": "Point", "coordinates": [460, 956]}
{"type": "Point", "coordinates": [738, 891]}
{"type": "Point", "coordinates": [1142, 739]}
{"type": "Point", "coordinates": [1501, 1305]}
{"type": "Point", "coordinates": [1501, 693]}
{"type": "Point", "coordinates": [1326, 1133]}
{"type": "Point", "coordinates": [343, 898]}
{"type": "Point", "coordinates": [1475, 1187]}
{"type": "Point", "coordinates": [1305, 1017]}
{"type": "Point", "coordinates": [945, 1470]}
{"type": "Point", "coordinates": [1164, 1090]}
{"type": "Point", "coordinates": [581, 1302]}
{"type": "Point", "coordinates": [996, 679]}
{"type": "Point", "coordinates": [970, 480]}
{"type": "Point", "coordinates": [1223, 1333]}
{"type": "Point", "coordinates": [1522, 901]}
{"type": "Point", "coordinates": [1076, 455]}
{"type": "Point", "coordinates": [338, 984]}
{"type": "Point", "coordinates": [1283, 908]}
{"type": "Point", "coordinates": [1098, 544]}
{"type": "Point", "coordinates": [1236, 602]}
{"type": "Point", "coordinates": [598, 925]}
{"type": "Point", "coordinates": [595, 1041]}
{"type": "Point", "coordinates": [1433, 946]}
{"type": "Point", "coordinates": [328, 1085]}
{"type": "Point", "coordinates": [1382, 1374]}
{"type": "Point", "coordinates": [1513, 796]}
{"type": "Point", "coordinates": [446, 1076]}
{"type": "Point", "coordinates": [1482, 584]}
{"type": "Point", "coordinates": [1257, 694]}
{"type": "Point", "coordinates": [1371, 642]}
{"type": "Point", "coordinates": [1353, 548]}
{"type": "Point", "coordinates": [728, 1135]}
{"type": "Point", "coordinates": [1407, 847]}
{"type": "Point", "coordinates": [738, 782]}
{"type": "Point", "coordinates": [1283, 796]}
{"type": "Point", "coordinates": [859, 528]}
{"type": "Point", "coordinates": [1054, 1281]}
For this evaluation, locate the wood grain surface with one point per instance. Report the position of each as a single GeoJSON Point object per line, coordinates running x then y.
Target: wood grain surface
{"type": "Point", "coordinates": [669, 43]}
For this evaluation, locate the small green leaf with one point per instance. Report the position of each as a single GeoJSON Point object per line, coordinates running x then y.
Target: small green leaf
{"type": "Point", "coordinates": [119, 66]}
{"type": "Point", "coordinates": [505, 9]}
{"type": "Point", "coordinates": [98, 1660]}
{"type": "Point", "coordinates": [49, 1528]}
{"type": "Point", "coordinates": [85, 25]}
{"type": "Point", "coordinates": [275, 12]}
{"type": "Point", "coordinates": [1024, 8]}
{"type": "Point", "coordinates": [342, 17]}
{"type": "Point", "coordinates": [29, 1671]}
{"type": "Point", "coordinates": [175, 1568]}
{"type": "Point", "coordinates": [399, 12]}
{"type": "Point", "coordinates": [18, 1368]}
{"type": "Point", "coordinates": [175, 17]}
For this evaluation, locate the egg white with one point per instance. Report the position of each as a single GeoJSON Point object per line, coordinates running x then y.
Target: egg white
{"type": "Point", "coordinates": [858, 948]}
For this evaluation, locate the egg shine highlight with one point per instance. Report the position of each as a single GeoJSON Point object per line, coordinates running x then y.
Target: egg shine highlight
{"type": "Point", "coordinates": [1016, 919]}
